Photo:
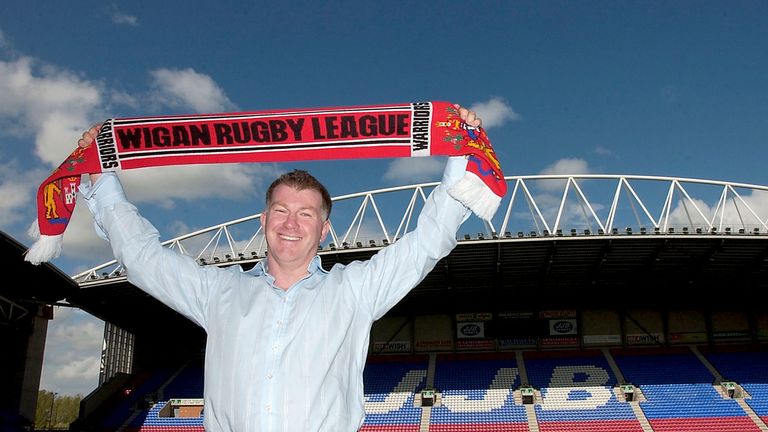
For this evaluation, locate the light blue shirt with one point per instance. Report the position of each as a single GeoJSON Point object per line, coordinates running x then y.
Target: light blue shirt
{"type": "Point", "coordinates": [289, 361]}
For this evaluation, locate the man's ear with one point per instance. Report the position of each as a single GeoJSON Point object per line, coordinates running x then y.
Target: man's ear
{"type": "Point", "coordinates": [263, 218]}
{"type": "Point", "coordinates": [326, 230]}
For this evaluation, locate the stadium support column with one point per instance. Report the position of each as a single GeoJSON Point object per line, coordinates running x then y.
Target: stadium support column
{"type": "Point", "coordinates": [22, 362]}
{"type": "Point", "coordinates": [431, 371]}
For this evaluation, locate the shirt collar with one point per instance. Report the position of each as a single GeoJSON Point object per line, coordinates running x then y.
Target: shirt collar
{"type": "Point", "coordinates": [261, 267]}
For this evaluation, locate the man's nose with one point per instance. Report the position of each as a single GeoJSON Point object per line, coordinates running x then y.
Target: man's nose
{"type": "Point", "coordinates": [291, 220]}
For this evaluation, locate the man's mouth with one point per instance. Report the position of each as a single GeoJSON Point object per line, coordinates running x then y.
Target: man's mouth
{"type": "Point", "coordinates": [289, 238]}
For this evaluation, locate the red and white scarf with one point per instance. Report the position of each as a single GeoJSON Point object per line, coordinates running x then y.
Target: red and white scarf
{"type": "Point", "coordinates": [417, 129]}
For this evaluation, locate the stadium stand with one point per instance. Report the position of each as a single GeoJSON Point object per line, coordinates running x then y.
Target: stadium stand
{"type": "Point", "coordinates": [133, 403]}
{"type": "Point", "coordinates": [577, 390]}
{"type": "Point", "coordinates": [747, 366]}
{"type": "Point", "coordinates": [477, 394]}
{"type": "Point", "coordinates": [578, 393]}
{"type": "Point", "coordinates": [391, 384]}
{"type": "Point", "coordinates": [679, 392]}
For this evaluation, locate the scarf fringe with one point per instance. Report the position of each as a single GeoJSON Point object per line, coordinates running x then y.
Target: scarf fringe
{"type": "Point", "coordinates": [45, 247]}
{"type": "Point", "coordinates": [476, 195]}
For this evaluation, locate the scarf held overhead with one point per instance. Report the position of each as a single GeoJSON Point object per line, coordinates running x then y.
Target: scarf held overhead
{"type": "Point", "coordinates": [417, 129]}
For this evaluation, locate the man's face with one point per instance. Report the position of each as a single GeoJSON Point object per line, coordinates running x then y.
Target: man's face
{"type": "Point", "coordinates": [294, 225]}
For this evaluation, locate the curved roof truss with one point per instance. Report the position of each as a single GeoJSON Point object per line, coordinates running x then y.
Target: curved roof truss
{"type": "Point", "coordinates": [537, 205]}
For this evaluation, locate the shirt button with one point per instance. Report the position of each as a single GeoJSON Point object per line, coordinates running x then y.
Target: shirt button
{"type": "Point", "coordinates": [269, 408]}
{"type": "Point", "coordinates": [269, 376]}
{"type": "Point", "coordinates": [279, 322]}
{"type": "Point", "coordinates": [274, 348]}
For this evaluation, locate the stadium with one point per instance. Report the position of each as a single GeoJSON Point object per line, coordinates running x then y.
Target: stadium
{"type": "Point", "coordinates": [588, 303]}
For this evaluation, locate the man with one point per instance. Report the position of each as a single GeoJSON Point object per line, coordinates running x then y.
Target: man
{"type": "Point", "coordinates": [287, 340]}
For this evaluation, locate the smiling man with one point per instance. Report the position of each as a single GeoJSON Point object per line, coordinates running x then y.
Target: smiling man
{"type": "Point", "coordinates": [295, 222]}
{"type": "Point", "coordinates": [287, 340]}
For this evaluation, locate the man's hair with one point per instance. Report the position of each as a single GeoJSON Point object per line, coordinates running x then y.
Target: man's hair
{"type": "Point", "coordinates": [301, 180]}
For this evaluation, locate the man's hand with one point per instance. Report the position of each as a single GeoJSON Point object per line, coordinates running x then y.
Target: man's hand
{"type": "Point", "coordinates": [469, 117]}
{"type": "Point", "coordinates": [89, 137]}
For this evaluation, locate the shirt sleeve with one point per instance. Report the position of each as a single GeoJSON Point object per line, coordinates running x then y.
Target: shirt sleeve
{"type": "Point", "coordinates": [110, 191]}
{"type": "Point", "coordinates": [174, 279]}
{"type": "Point", "coordinates": [390, 274]}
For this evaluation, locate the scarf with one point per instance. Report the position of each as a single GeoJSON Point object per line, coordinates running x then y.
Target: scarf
{"type": "Point", "coordinates": [418, 129]}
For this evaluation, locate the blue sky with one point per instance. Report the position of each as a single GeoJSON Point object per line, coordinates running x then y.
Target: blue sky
{"type": "Point", "coordinates": [642, 87]}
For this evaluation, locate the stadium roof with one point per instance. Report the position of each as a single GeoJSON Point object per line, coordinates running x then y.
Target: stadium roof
{"type": "Point", "coordinates": [595, 271]}
{"type": "Point", "coordinates": [43, 284]}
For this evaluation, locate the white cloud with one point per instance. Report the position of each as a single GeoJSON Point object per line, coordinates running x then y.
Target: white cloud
{"type": "Point", "coordinates": [559, 167]}
{"type": "Point", "coordinates": [48, 103]}
{"type": "Point", "coordinates": [191, 182]}
{"type": "Point", "coordinates": [53, 106]}
{"type": "Point", "coordinates": [17, 187]}
{"type": "Point", "coordinates": [178, 228]}
{"type": "Point", "coordinates": [737, 213]}
{"type": "Point", "coordinates": [182, 88]}
{"type": "Point", "coordinates": [567, 166]}
{"type": "Point", "coordinates": [72, 352]}
{"type": "Point", "coordinates": [80, 335]}
{"type": "Point", "coordinates": [415, 170]}
{"type": "Point", "coordinates": [122, 98]}
{"type": "Point", "coordinates": [494, 112]}
{"type": "Point", "coordinates": [79, 369]}
{"type": "Point", "coordinates": [119, 17]}
{"type": "Point", "coordinates": [603, 151]}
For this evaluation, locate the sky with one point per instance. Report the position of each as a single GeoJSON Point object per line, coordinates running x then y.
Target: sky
{"type": "Point", "coordinates": [620, 87]}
